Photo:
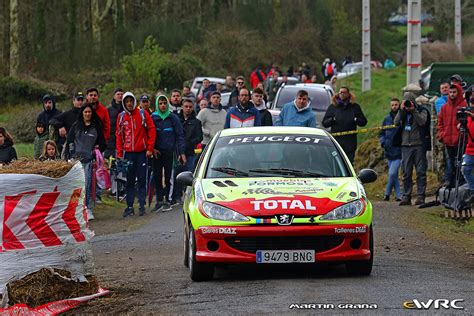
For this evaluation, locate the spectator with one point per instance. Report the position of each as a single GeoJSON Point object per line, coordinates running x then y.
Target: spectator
{"type": "Point", "coordinates": [392, 153]}
{"type": "Point", "coordinates": [234, 96]}
{"type": "Point", "coordinates": [64, 121]}
{"type": "Point", "coordinates": [49, 111]}
{"type": "Point", "coordinates": [244, 114]}
{"type": "Point", "coordinates": [272, 85]}
{"type": "Point", "coordinates": [42, 135]}
{"type": "Point", "coordinates": [332, 83]}
{"type": "Point", "coordinates": [212, 118]}
{"type": "Point", "coordinates": [314, 79]}
{"type": "Point", "coordinates": [259, 103]}
{"type": "Point", "coordinates": [204, 103]}
{"type": "Point", "coordinates": [175, 101]}
{"type": "Point", "coordinates": [297, 112]}
{"type": "Point", "coordinates": [448, 133]}
{"type": "Point", "coordinates": [92, 97]}
{"type": "Point", "coordinates": [114, 109]}
{"type": "Point", "coordinates": [456, 79]}
{"type": "Point", "coordinates": [468, 159]}
{"type": "Point", "coordinates": [330, 69]}
{"type": "Point", "coordinates": [413, 120]}
{"type": "Point", "coordinates": [188, 94]}
{"type": "Point", "coordinates": [257, 76]}
{"type": "Point", "coordinates": [145, 103]}
{"type": "Point", "coordinates": [135, 136]}
{"type": "Point", "coordinates": [7, 151]}
{"type": "Point", "coordinates": [204, 88]}
{"type": "Point", "coordinates": [305, 79]}
{"type": "Point", "coordinates": [343, 115]}
{"type": "Point", "coordinates": [229, 83]}
{"type": "Point", "coordinates": [50, 151]}
{"type": "Point", "coordinates": [84, 136]}
{"type": "Point", "coordinates": [443, 98]}
{"type": "Point", "coordinates": [169, 138]}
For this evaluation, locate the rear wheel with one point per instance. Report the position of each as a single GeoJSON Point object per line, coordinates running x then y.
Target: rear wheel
{"type": "Point", "coordinates": [363, 267]}
{"type": "Point", "coordinates": [198, 271]}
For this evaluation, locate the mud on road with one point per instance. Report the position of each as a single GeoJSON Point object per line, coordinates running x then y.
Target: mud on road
{"type": "Point", "coordinates": [144, 269]}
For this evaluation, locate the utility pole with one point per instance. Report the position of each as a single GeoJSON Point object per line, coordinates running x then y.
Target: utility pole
{"type": "Point", "coordinates": [414, 42]}
{"type": "Point", "coordinates": [457, 25]}
{"type": "Point", "coordinates": [366, 71]}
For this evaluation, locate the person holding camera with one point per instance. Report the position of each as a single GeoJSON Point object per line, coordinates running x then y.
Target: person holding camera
{"type": "Point", "coordinates": [468, 158]}
{"type": "Point", "coordinates": [448, 132]}
{"type": "Point", "coordinates": [415, 140]}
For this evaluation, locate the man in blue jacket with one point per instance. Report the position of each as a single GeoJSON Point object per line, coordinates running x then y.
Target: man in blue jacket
{"type": "Point", "coordinates": [244, 114]}
{"type": "Point", "coordinates": [298, 112]}
{"type": "Point", "coordinates": [169, 139]}
{"type": "Point", "coordinates": [393, 154]}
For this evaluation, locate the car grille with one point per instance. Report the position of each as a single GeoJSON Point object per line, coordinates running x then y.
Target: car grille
{"type": "Point", "coordinates": [252, 244]}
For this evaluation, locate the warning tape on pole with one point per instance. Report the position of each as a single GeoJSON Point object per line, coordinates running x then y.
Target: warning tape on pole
{"type": "Point", "coordinates": [364, 130]}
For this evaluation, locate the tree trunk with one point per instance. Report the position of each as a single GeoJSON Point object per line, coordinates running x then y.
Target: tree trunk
{"type": "Point", "coordinates": [4, 37]}
{"type": "Point", "coordinates": [14, 41]}
{"type": "Point", "coordinates": [97, 18]}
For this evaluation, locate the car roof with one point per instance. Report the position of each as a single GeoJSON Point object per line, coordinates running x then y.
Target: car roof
{"type": "Point", "coordinates": [213, 79]}
{"type": "Point", "coordinates": [269, 130]}
{"type": "Point", "coordinates": [306, 86]}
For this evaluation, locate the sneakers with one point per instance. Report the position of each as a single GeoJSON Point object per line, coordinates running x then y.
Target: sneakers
{"type": "Point", "coordinates": [141, 211]}
{"type": "Point", "coordinates": [175, 202]}
{"type": "Point", "coordinates": [420, 200]}
{"type": "Point", "coordinates": [386, 198]}
{"type": "Point", "coordinates": [398, 199]}
{"type": "Point", "coordinates": [129, 211]}
{"type": "Point", "coordinates": [166, 207]}
{"type": "Point", "coordinates": [90, 216]}
{"type": "Point", "coordinates": [405, 201]}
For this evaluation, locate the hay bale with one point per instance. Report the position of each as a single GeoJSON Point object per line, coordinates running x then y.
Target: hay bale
{"type": "Point", "coordinates": [52, 169]}
{"type": "Point", "coordinates": [48, 285]}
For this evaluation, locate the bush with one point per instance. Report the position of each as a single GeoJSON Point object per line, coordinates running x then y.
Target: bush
{"type": "Point", "coordinates": [22, 128]}
{"type": "Point", "coordinates": [468, 45]}
{"type": "Point", "coordinates": [14, 91]}
{"type": "Point", "coordinates": [440, 52]}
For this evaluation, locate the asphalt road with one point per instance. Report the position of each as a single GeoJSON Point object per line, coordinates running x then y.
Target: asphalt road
{"type": "Point", "coordinates": [145, 271]}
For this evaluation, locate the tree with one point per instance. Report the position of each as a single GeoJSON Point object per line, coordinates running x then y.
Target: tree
{"type": "Point", "coordinates": [14, 41]}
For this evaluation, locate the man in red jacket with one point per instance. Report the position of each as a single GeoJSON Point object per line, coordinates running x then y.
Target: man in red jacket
{"type": "Point", "coordinates": [468, 159]}
{"type": "Point", "coordinates": [135, 135]}
{"type": "Point", "coordinates": [92, 96]}
{"type": "Point", "coordinates": [448, 132]}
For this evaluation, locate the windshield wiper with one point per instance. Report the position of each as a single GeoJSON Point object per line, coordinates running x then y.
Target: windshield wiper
{"type": "Point", "coordinates": [287, 171]}
{"type": "Point", "coordinates": [231, 171]}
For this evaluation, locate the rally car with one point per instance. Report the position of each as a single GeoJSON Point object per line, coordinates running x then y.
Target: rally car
{"type": "Point", "coordinates": [271, 195]}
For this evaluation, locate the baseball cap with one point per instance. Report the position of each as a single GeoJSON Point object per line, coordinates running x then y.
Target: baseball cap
{"type": "Point", "coordinates": [456, 77]}
{"type": "Point", "coordinates": [144, 97]}
{"type": "Point", "coordinates": [78, 95]}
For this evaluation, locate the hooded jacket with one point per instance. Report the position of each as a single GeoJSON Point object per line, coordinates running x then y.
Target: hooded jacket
{"type": "Point", "coordinates": [239, 116]}
{"type": "Point", "coordinates": [169, 131]}
{"type": "Point", "coordinates": [386, 139]}
{"type": "Point", "coordinates": [448, 133]}
{"type": "Point", "coordinates": [265, 115]}
{"type": "Point", "coordinates": [114, 110]}
{"type": "Point", "coordinates": [7, 152]}
{"type": "Point", "coordinates": [192, 132]}
{"type": "Point", "coordinates": [344, 116]}
{"type": "Point", "coordinates": [290, 115]}
{"type": "Point", "coordinates": [134, 133]}
{"type": "Point", "coordinates": [46, 116]}
{"type": "Point", "coordinates": [212, 121]}
{"type": "Point", "coordinates": [470, 137]}
{"type": "Point", "coordinates": [39, 140]}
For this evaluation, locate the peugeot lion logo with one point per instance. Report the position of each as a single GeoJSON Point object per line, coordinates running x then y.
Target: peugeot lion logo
{"type": "Point", "coordinates": [284, 219]}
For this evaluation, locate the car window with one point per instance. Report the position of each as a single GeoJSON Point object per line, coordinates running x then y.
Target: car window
{"type": "Point", "coordinates": [319, 98]}
{"type": "Point", "coordinates": [310, 154]}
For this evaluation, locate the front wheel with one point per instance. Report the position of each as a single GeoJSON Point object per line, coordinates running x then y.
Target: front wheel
{"type": "Point", "coordinates": [198, 271]}
{"type": "Point", "coordinates": [363, 267]}
{"type": "Point", "coordinates": [185, 246]}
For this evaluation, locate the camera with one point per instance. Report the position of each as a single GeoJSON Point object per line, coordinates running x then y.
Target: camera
{"type": "Point", "coordinates": [461, 114]}
{"type": "Point", "coordinates": [408, 104]}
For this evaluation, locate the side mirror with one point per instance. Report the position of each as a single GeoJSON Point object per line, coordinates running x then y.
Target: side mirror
{"type": "Point", "coordinates": [185, 178]}
{"type": "Point", "coordinates": [367, 175]}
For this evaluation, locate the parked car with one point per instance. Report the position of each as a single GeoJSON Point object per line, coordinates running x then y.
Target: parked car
{"type": "Point", "coordinates": [350, 69]}
{"type": "Point", "coordinates": [319, 95]}
{"type": "Point", "coordinates": [197, 83]}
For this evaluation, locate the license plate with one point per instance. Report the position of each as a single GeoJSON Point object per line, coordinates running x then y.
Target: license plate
{"type": "Point", "coordinates": [285, 256]}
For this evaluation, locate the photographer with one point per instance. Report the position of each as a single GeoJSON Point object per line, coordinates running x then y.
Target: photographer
{"type": "Point", "coordinates": [448, 133]}
{"type": "Point", "coordinates": [468, 159]}
{"type": "Point", "coordinates": [415, 140]}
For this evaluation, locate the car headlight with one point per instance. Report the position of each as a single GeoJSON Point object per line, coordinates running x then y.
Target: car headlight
{"type": "Point", "coordinates": [222, 213]}
{"type": "Point", "coordinates": [348, 210]}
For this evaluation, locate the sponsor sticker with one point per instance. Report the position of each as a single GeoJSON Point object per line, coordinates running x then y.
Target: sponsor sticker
{"type": "Point", "coordinates": [219, 230]}
{"type": "Point", "coordinates": [284, 204]}
{"type": "Point", "coordinates": [306, 139]}
{"type": "Point", "coordinates": [276, 182]}
{"type": "Point", "coordinates": [350, 230]}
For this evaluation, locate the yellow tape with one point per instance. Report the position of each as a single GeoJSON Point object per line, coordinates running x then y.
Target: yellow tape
{"type": "Point", "coordinates": [364, 130]}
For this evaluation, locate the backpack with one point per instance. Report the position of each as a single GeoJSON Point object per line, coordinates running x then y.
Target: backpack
{"type": "Point", "coordinates": [142, 115]}
{"type": "Point", "coordinates": [329, 69]}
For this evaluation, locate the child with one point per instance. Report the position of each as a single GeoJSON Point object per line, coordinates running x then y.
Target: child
{"type": "Point", "coordinates": [41, 136]}
{"type": "Point", "coordinates": [50, 151]}
{"type": "Point", "coordinates": [7, 151]}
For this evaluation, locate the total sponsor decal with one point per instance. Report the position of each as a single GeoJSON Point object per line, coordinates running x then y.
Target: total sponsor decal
{"type": "Point", "coordinates": [219, 230]}
{"type": "Point", "coordinates": [351, 230]}
{"type": "Point", "coordinates": [284, 204]}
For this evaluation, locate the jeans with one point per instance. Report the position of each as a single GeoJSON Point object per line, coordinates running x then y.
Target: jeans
{"type": "Point", "coordinates": [164, 161]}
{"type": "Point", "coordinates": [467, 168]}
{"type": "Point", "coordinates": [393, 167]}
{"type": "Point", "coordinates": [414, 157]}
{"type": "Point", "coordinates": [88, 183]}
{"type": "Point", "coordinates": [137, 169]}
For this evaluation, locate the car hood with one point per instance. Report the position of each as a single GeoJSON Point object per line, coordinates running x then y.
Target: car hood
{"type": "Point", "coordinates": [271, 196]}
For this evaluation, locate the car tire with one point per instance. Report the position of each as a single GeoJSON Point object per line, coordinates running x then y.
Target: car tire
{"type": "Point", "coordinates": [198, 271]}
{"type": "Point", "coordinates": [363, 267]}
{"type": "Point", "coordinates": [185, 245]}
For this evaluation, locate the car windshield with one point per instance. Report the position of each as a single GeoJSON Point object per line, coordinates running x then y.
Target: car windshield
{"type": "Point", "coordinates": [319, 98]}
{"type": "Point", "coordinates": [276, 155]}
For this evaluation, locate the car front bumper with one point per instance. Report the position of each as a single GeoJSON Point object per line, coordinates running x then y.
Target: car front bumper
{"type": "Point", "coordinates": [238, 244]}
